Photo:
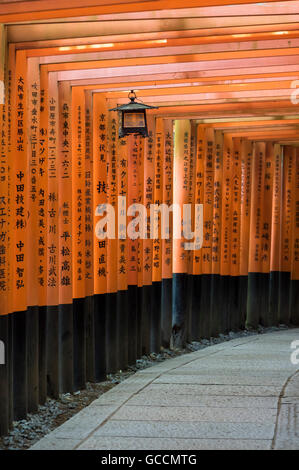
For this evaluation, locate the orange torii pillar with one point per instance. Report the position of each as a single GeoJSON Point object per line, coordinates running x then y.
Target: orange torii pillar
{"type": "Point", "coordinates": [167, 244]}
{"type": "Point", "coordinates": [5, 419]}
{"type": "Point", "coordinates": [100, 127]}
{"type": "Point", "coordinates": [266, 234]}
{"type": "Point", "coordinates": [294, 294]}
{"type": "Point", "coordinates": [275, 236]}
{"type": "Point", "coordinates": [216, 304]}
{"type": "Point", "coordinates": [157, 241]}
{"type": "Point", "coordinates": [206, 260]}
{"type": "Point", "coordinates": [112, 339]}
{"type": "Point", "coordinates": [246, 163]}
{"type": "Point", "coordinates": [191, 201]}
{"type": "Point", "coordinates": [197, 254]}
{"type": "Point", "coordinates": [147, 258]}
{"type": "Point", "coordinates": [288, 220]}
{"type": "Point", "coordinates": [65, 243]}
{"type": "Point", "coordinates": [254, 266]}
{"type": "Point", "coordinates": [180, 255]}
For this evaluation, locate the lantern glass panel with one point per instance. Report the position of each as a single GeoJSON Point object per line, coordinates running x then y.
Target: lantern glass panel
{"type": "Point", "coordinates": [134, 120]}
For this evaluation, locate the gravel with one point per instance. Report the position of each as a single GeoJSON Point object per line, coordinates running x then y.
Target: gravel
{"type": "Point", "coordinates": [55, 412]}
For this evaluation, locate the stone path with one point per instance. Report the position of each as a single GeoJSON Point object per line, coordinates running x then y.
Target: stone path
{"type": "Point", "coordinates": [241, 394]}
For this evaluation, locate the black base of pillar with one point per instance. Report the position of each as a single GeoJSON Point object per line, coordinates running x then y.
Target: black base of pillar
{"type": "Point", "coordinates": [224, 320]}
{"type": "Point", "coordinates": [179, 306]}
{"type": "Point", "coordinates": [243, 285]}
{"type": "Point", "coordinates": [19, 365]}
{"type": "Point", "coordinates": [273, 298]}
{"type": "Point", "coordinates": [9, 356]}
{"type": "Point", "coordinates": [253, 300]}
{"type": "Point", "coordinates": [166, 308]}
{"type": "Point", "coordinates": [189, 300]}
{"type": "Point", "coordinates": [32, 359]}
{"type": "Point", "coordinates": [42, 354]}
{"type": "Point", "coordinates": [216, 303]}
{"type": "Point", "coordinates": [205, 305]}
{"type": "Point", "coordinates": [52, 340]}
{"type": "Point", "coordinates": [79, 331]}
{"type": "Point", "coordinates": [112, 364]}
{"type": "Point", "coordinates": [99, 336]}
{"type": "Point", "coordinates": [66, 348]}
{"type": "Point", "coordinates": [294, 303]}
{"type": "Point", "coordinates": [195, 309]}
{"type": "Point", "coordinates": [4, 376]}
{"type": "Point", "coordinates": [234, 306]}
{"type": "Point", "coordinates": [89, 308]}
{"type": "Point", "coordinates": [139, 321]}
{"type": "Point", "coordinates": [156, 337]}
{"type": "Point", "coordinates": [132, 324]}
{"type": "Point", "coordinates": [122, 331]}
{"type": "Point", "coordinates": [265, 299]}
{"type": "Point", "coordinates": [284, 298]}
{"type": "Point", "coordinates": [146, 318]}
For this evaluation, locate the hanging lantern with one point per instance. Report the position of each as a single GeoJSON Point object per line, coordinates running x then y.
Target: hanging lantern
{"type": "Point", "coordinates": [133, 117]}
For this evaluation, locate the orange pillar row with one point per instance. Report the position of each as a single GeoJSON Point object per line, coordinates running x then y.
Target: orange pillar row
{"type": "Point", "coordinates": [63, 169]}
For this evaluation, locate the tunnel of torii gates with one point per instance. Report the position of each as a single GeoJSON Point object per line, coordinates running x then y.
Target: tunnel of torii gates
{"type": "Point", "coordinates": [75, 308]}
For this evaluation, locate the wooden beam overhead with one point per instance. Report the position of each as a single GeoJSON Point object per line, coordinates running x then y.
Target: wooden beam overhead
{"type": "Point", "coordinates": [12, 12]}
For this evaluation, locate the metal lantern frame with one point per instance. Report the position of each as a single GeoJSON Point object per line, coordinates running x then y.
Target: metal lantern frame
{"type": "Point", "coordinates": [132, 107]}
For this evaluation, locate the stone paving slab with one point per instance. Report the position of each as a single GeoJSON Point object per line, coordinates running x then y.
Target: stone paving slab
{"type": "Point", "coordinates": [83, 423]}
{"type": "Point", "coordinates": [215, 390]}
{"type": "Point", "coordinates": [52, 443]}
{"type": "Point", "coordinates": [186, 430]}
{"type": "Point", "coordinates": [125, 443]}
{"type": "Point", "coordinates": [173, 399]}
{"type": "Point", "coordinates": [240, 394]}
{"type": "Point", "coordinates": [196, 413]}
{"type": "Point", "coordinates": [223, 379]}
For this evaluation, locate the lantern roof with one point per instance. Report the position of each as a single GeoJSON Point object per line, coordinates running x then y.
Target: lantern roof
{"type": "Point", "coordinates": [133, 105]}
